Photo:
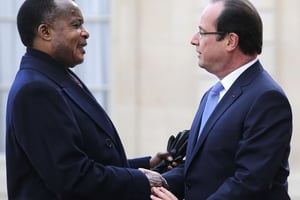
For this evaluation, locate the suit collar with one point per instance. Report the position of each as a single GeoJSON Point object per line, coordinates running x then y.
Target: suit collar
{"type": "Point", "coordinates": [234, 92]}
{"type": "Point", "coordinates": [43, 56]}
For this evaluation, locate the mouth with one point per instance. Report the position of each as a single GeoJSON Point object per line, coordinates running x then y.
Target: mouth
{"type": "Point", "coordinates": [81, 46]}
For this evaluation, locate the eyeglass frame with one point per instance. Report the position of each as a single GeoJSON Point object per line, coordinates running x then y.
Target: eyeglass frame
{"type": "Point", "coordinates": [203, 33]}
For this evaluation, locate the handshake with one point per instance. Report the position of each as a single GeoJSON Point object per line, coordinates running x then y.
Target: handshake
{"type": "Point", "coordinates": [155, 179]}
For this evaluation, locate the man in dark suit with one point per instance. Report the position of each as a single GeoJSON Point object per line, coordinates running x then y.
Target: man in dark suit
{"type": "Point", "coordinates": [241, 152]}
{"type": "Point", "coordinates": [60, 142]}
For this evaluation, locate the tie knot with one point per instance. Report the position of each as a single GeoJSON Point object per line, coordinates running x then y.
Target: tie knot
{"type": "Point", "coordinates": [217, 88]}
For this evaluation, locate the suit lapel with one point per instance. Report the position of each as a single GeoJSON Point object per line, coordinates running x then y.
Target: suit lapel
{"type": "Point", "coordinates": [81, 96]}
{"type": "Point", "coordinates": [86, 101]}
{"type": "Point", "coordinates": [194, 144]}
{"type": "Point", "coordinates": [234, 92]}
{"type": "Point", "coordinates": [222, 106]}
{"type": "Point", "coordinates": [195, 129]}
{"type": "Point", "coordinates": [91, 107]}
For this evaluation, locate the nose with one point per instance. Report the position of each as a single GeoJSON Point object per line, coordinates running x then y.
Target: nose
{"type": "Point", "coordinates": [84, 33]}
{"type": "Point", "coordinates": [195, 39]}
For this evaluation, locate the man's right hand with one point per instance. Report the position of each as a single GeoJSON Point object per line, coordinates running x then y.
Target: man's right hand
{"type": "Point", "coordinates": [155, 179]}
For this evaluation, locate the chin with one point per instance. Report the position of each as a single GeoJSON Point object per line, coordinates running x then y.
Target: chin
{"type": "Point", "coordinates": [79, 60]}
{"type": "Point", "coordinates": [74, 64]}
{"type": "Point", "coordinates": [201, 65]}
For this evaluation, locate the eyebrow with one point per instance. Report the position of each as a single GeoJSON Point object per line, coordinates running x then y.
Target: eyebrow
{"type": "Point", "coordinates": [78, 19]}
{"type": "Point", "coordinates": [201, 29]}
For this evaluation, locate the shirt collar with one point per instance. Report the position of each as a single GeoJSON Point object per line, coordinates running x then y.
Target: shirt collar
{"type": "Point", "coordinates": [228, 80]}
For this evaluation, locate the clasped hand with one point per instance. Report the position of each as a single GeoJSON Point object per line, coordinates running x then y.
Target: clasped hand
{"type": "Point", "coordinates": [155, 179]}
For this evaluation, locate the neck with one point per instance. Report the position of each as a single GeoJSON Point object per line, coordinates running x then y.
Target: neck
{"type": "Point", "coordinates": [234, 63]}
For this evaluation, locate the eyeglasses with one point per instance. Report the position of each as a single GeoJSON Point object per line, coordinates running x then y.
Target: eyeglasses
{"type": "Point", "coordinates": [202, 34]}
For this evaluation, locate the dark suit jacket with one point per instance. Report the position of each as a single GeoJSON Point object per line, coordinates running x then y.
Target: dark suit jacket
{"type": "Point", "coordinates": [243, 150]}
{"type": "Point", "coordinates": [60, 142]}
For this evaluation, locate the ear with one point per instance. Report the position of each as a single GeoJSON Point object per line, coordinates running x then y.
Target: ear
{"type": "Point", "coordinates": [44, 32]}
{"type": "Point", "coordinates": [232, 40]}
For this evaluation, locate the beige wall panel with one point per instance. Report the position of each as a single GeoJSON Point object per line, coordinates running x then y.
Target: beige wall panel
{"type": "Point", "coordinates": [288, 51]}
{"type": "Point", "coordinates": [166, 63]}
{"type": "Point", "coordinates": [265, 4]}
{"type": "Point", "coordinates": [124, 73]}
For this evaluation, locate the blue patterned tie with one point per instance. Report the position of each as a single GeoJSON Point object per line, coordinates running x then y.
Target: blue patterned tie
{"type": "Point", "coordinates": [212, 101]}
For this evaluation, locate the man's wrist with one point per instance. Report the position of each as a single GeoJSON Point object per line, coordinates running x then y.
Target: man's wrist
{"type": "Point", "coordinates": [164, 183]}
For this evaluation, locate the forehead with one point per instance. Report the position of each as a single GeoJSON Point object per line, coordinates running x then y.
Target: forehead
{"type": "Point", "coordinates": [68, 8]}
{"type": "Point", "coordinates": [209, 16]}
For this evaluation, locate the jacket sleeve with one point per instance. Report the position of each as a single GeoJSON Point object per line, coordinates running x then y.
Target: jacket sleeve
{"type": "Point", "coordinates": [142, 162]}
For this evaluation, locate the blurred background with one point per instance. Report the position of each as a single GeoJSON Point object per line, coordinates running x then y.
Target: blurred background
{"type": "Point", "coordinates": [142, 69]}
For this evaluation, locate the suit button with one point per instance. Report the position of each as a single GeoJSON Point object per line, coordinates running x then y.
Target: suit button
{"type": "Point", "coordinates": [108, 142]}
{"type": "Point", "coordinates": [188, 186]}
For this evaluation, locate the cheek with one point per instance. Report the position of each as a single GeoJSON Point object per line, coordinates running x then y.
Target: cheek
{"type": "Point", "coordinates": [61, 43]}
{"type": "Point", "coordinates": [204, 48]}
{"type": "Point", "coordinates": [204, 44]}
{"type": "Point", "coordinates": [210, 46]}
{"type": "Point", "coordinates": [58, 46]}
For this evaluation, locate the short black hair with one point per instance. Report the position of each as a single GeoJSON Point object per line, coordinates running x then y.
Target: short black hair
{"type": "Point", "coordinates": [31, 14]}
{"type": "Point", "coordinates": [242, 18]}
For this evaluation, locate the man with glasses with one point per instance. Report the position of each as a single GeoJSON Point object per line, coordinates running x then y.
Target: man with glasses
{"type": "Point", "coordinates": [240, 149]}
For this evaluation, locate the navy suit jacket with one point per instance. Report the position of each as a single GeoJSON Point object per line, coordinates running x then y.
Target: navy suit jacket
{"type": "Point", "coordinates": [244, 147]}
{"type": "Point", "coordinates": [60, 144]}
